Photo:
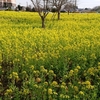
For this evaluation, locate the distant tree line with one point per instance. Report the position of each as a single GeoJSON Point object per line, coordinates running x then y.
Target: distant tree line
{"type": "Point", "coordinates": [22, 8]}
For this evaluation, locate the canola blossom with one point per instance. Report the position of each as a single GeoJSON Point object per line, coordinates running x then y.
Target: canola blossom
{"type": "Point", "coordinates": [59, 62]}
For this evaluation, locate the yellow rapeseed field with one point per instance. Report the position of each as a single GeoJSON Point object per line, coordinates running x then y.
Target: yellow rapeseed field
{"type": "Point", "coordinates": [60, 62]}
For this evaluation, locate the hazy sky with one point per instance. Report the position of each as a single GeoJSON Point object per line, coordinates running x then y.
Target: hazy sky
{"type": "Point", "coordinates": [81, 3]}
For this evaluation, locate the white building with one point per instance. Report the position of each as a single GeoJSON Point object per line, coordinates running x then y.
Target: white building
{"type": "Point", "coordinates": [7, 3]}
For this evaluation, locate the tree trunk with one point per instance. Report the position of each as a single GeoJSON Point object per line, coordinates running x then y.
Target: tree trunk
{"type": "Point", "coordinates": [43, 21]}
{"type": "Point", "coordinates": [58, 15]}
{"type": "Point", "coordinates": [68, 12]}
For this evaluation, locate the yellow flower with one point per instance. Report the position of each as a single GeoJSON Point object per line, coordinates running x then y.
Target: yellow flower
{"type": "Point", "coordinates": [79, 82]}
{"type": "Point", "coordinates": [75, 70]}
{"type": "Point", "coordinates": [91, 71]}
{"type": "Point", "coordinates": [54, 75]}
{"type": "Point", "coordinates": [65, 76]}
{"type": "Point", "coordinates": [0, 67]}
{"type": "Point", "coordinates": [70, 83]}
{"type": "Point", "coordinates": [63, 87]}
{"type": "Point", "coordinates": [8, 91]}
{"type": "Point", "coordinates": [78, 67]}
{"type": "Point", "coordinates": [89, 87]}
{"type": "Point", "coordinates": [36, 86]}
{"type": "Point", "coordinates": [51, 72]}
{"type": "Point", "coordinates": [64, 96]}
{"type": "Point", "coordinates": [87, 83]}
{"type": "Point", "coordinates": [99, 67]}
{"type": "Point", "coordinates": [46, 83]}
{"type": "Point", "coordinates": [61, 95]}
{"type": "Point", "coordinates": [71, 72]}
{"type": "Point", "coordinates": [24, 72]}
{"type": "Point", "coordinates": [10, 76]}
{"type": "Point", "coordinates": [32, 67]}
{"type": "Point", "coordinates": [55, 93]}
{"type": "Point", "coordinates": [93, 56]}
{"type": "Point", "coordinates": [36, 73]}
{"type": "Point", "coordinates": [54, 83]}
{"type": "Point", "coordinates": [26, 91]}
{"type": "Point", "coordinates": [75, 96]}
{"type": "Point", "coordinates": [0, 84]}
{"type": "Point", "coordinates": [44, 71]}
{"type": "Point", "coordinates": [98, 63]}
{"type": "Point", "coordinates": [63, 83]}
{"type": "Point", "coordinates": [81, 93]}
{"type": "Point", "coordinates": [75, 88]}
{"type": "Point", "coordinates": [14, 75]}
{"type": "Point", "coordinates": [92, 87]}
{"type": "Point", "coordinates": [49, 91]}
{"type": "Point", "coordinates": [42, 67]}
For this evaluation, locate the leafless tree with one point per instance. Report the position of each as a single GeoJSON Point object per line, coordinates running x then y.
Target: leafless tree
{"type": "Point", "coordinates": [58, 4]}
{"type": "Point", "coordinates": [41, 6]}
{"type": "Point", "coordinates": [61, 3]}
{"type": "Point", "coordinates": [70, 7]}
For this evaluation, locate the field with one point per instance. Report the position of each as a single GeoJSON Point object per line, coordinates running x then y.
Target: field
{"type": "Point", "coordinates": [60, 62]}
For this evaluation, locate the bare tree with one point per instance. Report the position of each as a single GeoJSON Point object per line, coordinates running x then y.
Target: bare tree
{"type": "Point", "coordinates": [62, 3]}
{"type": "Point", "coordinates": [70, 7]}
{"type": "Point", "coordinates": [58, 4]}
{"type": "Point", "coordinates": [41, 6]}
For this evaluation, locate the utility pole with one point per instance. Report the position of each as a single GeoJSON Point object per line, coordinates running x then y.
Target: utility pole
{"type": "Point", "coordinates": [2, 3]}
{"type": "Point", "coordinates": [27, 4]}
{"type": "Point", "coordinates": [75, 2]}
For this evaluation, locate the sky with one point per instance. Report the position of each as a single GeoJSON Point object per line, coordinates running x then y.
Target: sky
{"type": "Point", "coordinates": [80, 3]}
